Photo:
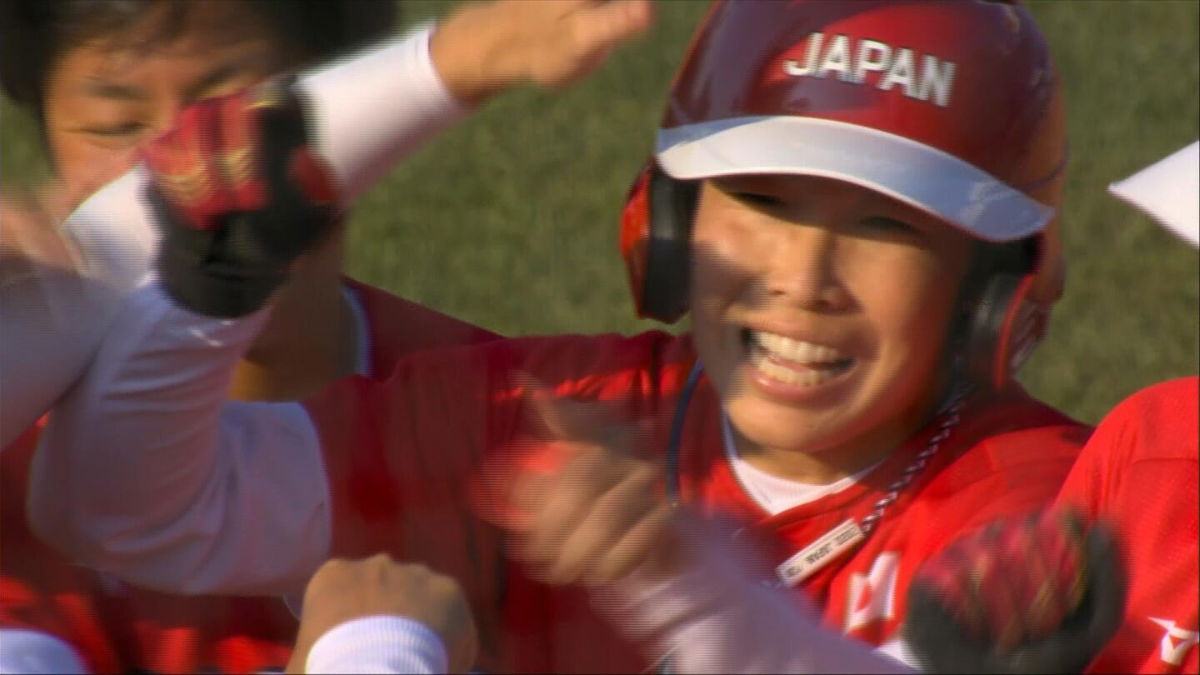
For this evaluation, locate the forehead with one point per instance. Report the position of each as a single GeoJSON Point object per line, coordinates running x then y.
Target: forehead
{"type": "Point", "coordinates": [807, 187]}
{"type": "Point", "coordinates": [173, 42]}
{"type": "Point", "coordinates": [807, 192]}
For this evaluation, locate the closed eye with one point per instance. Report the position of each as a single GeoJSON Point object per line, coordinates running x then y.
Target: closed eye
{"type": "Point", "coordinates": [758, 199]}
{"type": "Point", "coordinates": [884, 224]}
{"type": "Point", "coordinates": [116, 130]}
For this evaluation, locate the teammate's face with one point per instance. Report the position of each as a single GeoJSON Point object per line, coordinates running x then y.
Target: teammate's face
{"type": "Point", "coordinates": [820, 312]}
{"type": "Point", "coordinates": [107, 96]}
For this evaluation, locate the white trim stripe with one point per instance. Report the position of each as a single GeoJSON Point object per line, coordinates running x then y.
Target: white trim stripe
{"type": "Point", "coordinates": [911, 172]}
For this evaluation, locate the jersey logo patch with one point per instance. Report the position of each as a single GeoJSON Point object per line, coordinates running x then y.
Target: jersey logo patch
{"type": "Point", "coordinates": [1175, 641]}
{"type": "Point", "coordinates": [872, 596]}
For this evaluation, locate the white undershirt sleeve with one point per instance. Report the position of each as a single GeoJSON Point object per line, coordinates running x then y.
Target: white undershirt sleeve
{"type": "Point", "coordinates": [145, 472]}
{"type": "Point", "coordinates": [378, 644]}
{"type": "Point", "coordinates": [34, 653]}
{"type": "Point", "coordinates": [51, 325]}
{"type": "Point", "coordinates": [716, 618]}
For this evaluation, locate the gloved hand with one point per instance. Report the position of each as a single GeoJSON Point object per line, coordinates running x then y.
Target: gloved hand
{"type": "Point", "coordinates": [1036, 595]}
{"type": "Point", "coordinates": [240, 194]}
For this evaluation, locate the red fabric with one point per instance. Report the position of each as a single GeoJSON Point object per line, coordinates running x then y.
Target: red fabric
{"type": "Point", "coordinates": [402, 453]}
{"type": "Point", "coordinates": [1139, 473]}
{"type": "Point", "coordinates": [118, 628]}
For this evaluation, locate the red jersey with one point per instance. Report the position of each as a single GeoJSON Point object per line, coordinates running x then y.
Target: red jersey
{"type": "Point", "coordinates": [115, 627]}
{"type": "Point", "coordinates": [1139, 473]}
{"type": "Point", "coordinates": [401, 452]}
{"type": "Point", "coordinates": [119, 628]}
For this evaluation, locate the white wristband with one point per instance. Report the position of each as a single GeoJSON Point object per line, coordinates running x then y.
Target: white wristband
{"type": "Point", "coordinates": [378, 106]}
{"type": "Point", "coordinates": [378, 644]}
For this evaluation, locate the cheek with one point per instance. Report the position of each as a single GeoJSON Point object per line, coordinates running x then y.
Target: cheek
{"type": "Point", "coordinates": [909, 300]}
{"type": "Point", "coordinates": [723, 254]}
{"type": "Point", "coordinates": [84, 166]}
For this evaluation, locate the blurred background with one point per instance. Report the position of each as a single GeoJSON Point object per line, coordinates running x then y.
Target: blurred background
{"type": "Point", "coordinates": [510, 221]}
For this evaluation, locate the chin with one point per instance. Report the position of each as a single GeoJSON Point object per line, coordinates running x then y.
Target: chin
{"type": "Point", "coordinates": [774, 426]}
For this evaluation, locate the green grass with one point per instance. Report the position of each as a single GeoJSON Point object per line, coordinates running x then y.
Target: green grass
{"type": "Point", "coordinates": [510, 220]}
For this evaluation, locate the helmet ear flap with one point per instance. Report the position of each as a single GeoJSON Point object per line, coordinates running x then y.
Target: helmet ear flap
{"type": "Point", "coordinates": [1005, 327]}
{"type": "Point", "coordinates": [656, 229]}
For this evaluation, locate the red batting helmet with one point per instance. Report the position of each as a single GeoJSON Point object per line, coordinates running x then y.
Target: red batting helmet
{"type": "Point", "coordinates": [951, 107]}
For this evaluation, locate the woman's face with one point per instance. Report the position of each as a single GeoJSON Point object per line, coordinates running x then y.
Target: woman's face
{"type": "Point", "coordinates": [820, 310]}
{"type": "Point", "coordinates": [106, 97]}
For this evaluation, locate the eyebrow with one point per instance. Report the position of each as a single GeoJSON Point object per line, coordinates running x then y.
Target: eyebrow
{"type": "Point", "coordinates": [106, 89]}
{"type": "Point", "coordinates": [211, 80]}
{"type": "Point", "coordinates": [96, 86]}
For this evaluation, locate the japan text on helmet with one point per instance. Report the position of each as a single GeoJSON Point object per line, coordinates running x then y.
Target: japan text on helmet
{"type": "Point", "coordinates": [951, 107]}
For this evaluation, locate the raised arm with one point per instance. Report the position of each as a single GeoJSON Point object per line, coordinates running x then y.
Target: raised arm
{"type": "Point", "coordinates": [145, 471]}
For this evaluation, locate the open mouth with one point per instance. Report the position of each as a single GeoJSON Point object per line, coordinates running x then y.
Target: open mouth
{"type": "Point", "coordinates": [793, 362]}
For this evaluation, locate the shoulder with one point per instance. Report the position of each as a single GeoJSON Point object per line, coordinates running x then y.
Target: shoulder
{"type": "Point", "coordinates": [1004, 432]}
{"type": "Point", "coordinates": [1160, 422]}
{"type": "Point", "coordinates": [1009, 455]}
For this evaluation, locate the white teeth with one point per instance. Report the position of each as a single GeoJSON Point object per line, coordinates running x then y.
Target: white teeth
{"type": "Point", "coordinates": [796, 350]}
{"type": "Point", "coordinates": [789, 376]}
{"type": "Point", "coordinates": [772, 348]}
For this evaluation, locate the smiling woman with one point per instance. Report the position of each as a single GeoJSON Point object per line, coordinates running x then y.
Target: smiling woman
{"type": "Point", "coordinates": [865, 271]}
{"type": "Point", "coordinates": [819, 305]}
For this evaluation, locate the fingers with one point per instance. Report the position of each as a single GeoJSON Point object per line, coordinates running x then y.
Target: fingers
{"type": "Point", "coordinates": [594, 520]}
{"type": "Point", "coordinates": [484, 49]}
{"type": "Point", "coordinates": [598, 541]}
{"type": "Point", "coordinates": [649, 540]}
{"type": "Point", "coordinates": [600, 26]}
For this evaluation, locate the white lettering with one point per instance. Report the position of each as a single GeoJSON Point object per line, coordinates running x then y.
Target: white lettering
{"type": "Point", "coordinates": [901, 73]}
{"type": "Point", "coordinates": [793, 67]}
{"type": "Point", "coordinates": [1170, 651]}
{"type": "Point", "coordinates": [936, 77]}
{"type": "Point", "coordinates": [866, 63]}
{"type": "Point", "coordinates": [837, 59]}
{"type": "Point", "coordinates": [854, 61]}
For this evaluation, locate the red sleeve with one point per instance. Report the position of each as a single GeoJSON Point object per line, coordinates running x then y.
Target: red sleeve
{"type": "Point", "coordinates": [1140, 474]}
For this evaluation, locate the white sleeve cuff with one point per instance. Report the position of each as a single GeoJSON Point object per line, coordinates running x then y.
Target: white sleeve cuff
{"type": "Point", "coordinates": [378, 106]}
{"type": "Point", "coordinates": [27, 651]}
{"type": "Point", "coordinates": [378, 644]}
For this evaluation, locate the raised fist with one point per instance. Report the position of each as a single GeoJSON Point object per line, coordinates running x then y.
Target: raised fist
{"type": "Point", "coordinates": [240, 194]}
{"type": "Point", "coordinates": [343, 590]}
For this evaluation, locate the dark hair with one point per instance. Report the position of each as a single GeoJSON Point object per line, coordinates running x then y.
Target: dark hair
{"type": "Point", "coordinates": [34, 33]}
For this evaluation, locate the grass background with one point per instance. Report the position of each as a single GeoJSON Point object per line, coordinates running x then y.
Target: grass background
{"type": "Point", "coordinates": [510, 220]}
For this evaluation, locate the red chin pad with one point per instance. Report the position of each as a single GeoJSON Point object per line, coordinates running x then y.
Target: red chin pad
{"type": "Point", "coordinates": [635, 236]}
{"type": "Point", "coordinates": [1023, 327]}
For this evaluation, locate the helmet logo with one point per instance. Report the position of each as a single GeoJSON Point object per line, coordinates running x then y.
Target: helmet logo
{"type": "Point", "coordinates": [853, 61]}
